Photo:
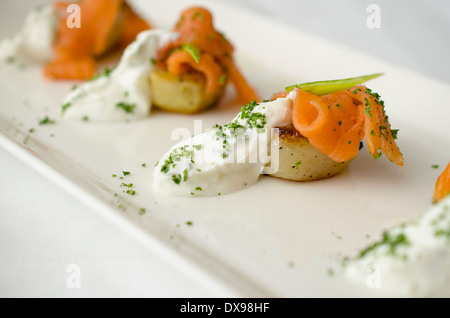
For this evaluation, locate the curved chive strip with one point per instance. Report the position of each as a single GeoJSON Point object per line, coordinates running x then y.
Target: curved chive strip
{"type": "Point", "coordinates": [328, 87]}
{"type": "Point", "coordinates": [193, 51]}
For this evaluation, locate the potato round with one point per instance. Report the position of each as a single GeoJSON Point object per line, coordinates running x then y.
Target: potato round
{"type": "Point", "coordinates": [301, 161]}
{"type": "Point", "coordinates": [183, 93]}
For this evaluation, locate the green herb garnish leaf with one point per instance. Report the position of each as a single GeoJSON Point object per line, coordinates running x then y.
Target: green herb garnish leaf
{"type": "Point", "coordinates": [193, 51]}
{"type": "Point", "coordinates": [333, 86]}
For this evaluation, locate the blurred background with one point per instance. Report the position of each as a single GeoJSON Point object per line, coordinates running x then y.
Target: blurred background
{"type": "Point", "coordinates": [412, 33]}
{"type": "Point", "coordinates": [33, 261]}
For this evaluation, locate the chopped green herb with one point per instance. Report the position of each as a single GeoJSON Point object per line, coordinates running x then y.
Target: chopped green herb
{"type": "Point", "coordinates": [65, 106]}
{"type": "Point", "coordinates": [297, 164]}
{"type": "Point", "coordinates": [198, 189]}
{"type": "Point", "coordinates": [142, 211]}
{"type": "Point", "coordinates": [378, 155]}
{"type": "Point", "coordinates": [330, 272]}
{"type": "Point", "coordinates": [435, 166]}
{"type": "Point", "coordinates": [106, 73]}
{"type": "Point", "coordinates": [176, 179]}
{"type": "Point", "coordinates": [189, 223]}
{"type": "Point", "coordinates": [47, 121]}
{"type": "Point", "coordinates": [198, 14]}
{"type": "Point", "coordinates": [131, 192]}
{"type": "Point", "coordinates": [128, 108]}
{"type": "Point", "coordinates": [193, 50]}
{"type": "Point", "coordinates": [153, 61]}
{"type": "Point", "coordinates": [222, 79]}
{"type": "Point", "coordinates": [185, 174]}
{"type": "Point", "coordinates": [114, 175]}
{"type": "Point", "coordinates": [144, 165]}
{"type": "Point", "coordinates": [367, 111]}
{"type": "Point", "coordinates": [126, 173]}
{"type": "Point", "coordinates": [340, 123]}
{"type": "Point", "coordinates": [392, 241]}
{"type": "Point", "coordinates": [85, 118]}
{"type": "Point", "coordinates": [394, 133]}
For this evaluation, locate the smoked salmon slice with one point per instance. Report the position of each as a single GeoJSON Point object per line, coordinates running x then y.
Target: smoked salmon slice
{"type": "Point", "coordinates": [442, 187]}
{"type": "Point", "coordinates": [105, 25]}
{"type": "Point", "coordinates": [335, 123]}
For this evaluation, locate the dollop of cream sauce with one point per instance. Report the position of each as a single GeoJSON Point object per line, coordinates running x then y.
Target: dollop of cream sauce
{"type": "Point", "coordinates": [34, 43]}
{"type": "Point", "coordinates": [411, 260]}
{"type": "Point", "coordinates": [123, 93]}
{"type": "Point", "coordinates": [227, 158]}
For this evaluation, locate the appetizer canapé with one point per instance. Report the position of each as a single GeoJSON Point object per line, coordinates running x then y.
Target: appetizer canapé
{"type": "Point", "coordinates": [320, 126]}
{"type": "Point", "coordinates": [104, 25]}
{"type": "Point", "coordinates": [328, 125]}
{"type": "Point", "coordinates": [191, 72]}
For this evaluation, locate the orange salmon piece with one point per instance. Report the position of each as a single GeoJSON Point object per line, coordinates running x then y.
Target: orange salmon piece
{"type": "Point", "coordinates": [337, 122]}
{"type": "Point", "coordinates": [442, 187]}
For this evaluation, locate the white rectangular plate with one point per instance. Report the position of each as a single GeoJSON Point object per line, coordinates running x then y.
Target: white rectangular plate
{"type": "Point", "coordinates": [277, 238]}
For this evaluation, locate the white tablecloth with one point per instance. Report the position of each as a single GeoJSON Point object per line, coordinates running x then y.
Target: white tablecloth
{"type": "Point", "coordinates": [43, 230]}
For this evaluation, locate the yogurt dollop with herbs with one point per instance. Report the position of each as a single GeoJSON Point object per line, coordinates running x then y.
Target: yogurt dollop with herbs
{"type": "Point", "coordinates": [225, 158]}
{"type": "Point", "coordinates": [410, 260]}
{"type": "Point", "coordinates": [34, 43]}
{"type": "Point", "coordinates": [123, 93]}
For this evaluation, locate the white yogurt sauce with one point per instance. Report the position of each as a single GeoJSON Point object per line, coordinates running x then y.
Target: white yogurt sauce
{"type": "Point", "coordinates": [223, 159]}
{"type": "Point", "coordinates": [411, 260]}
{"type": "Point", "coordinates": [124, 93]}
{"type": "Point", "coordinates": [34, 43]}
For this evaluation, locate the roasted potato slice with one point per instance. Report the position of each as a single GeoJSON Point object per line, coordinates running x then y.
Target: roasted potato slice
{"type": "Point", "coordinates": [182, 94]}
{"type": "Point", "coordinates": [301, 161]}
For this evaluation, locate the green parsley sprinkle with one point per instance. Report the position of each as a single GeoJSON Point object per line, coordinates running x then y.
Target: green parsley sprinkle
{"type": "Point", "coordinates": [367, 111]}
{"type": "Point", "coordinates": [176, 179]}
{"type": "Point", "coordinates": [394, 133]}
{"type": "Point", "coordinates": [47, 121]}
{"type": "Point", "coordinates": [435, 166]}
{"type": "Point", "coordinates": [222, 79]}
{"type": "Point", "coordinates": [126, 173]}
{"type": "Point", "coordinates": [65, 106]}
{"type": "Point", "coordinates": [131, 192]}
{"type": "Point", "coordinates": [297, 164]}
{"type": "Point", "coordinates": [128, 108]}
{"type": "Point", "coordinates": [198, 189]}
